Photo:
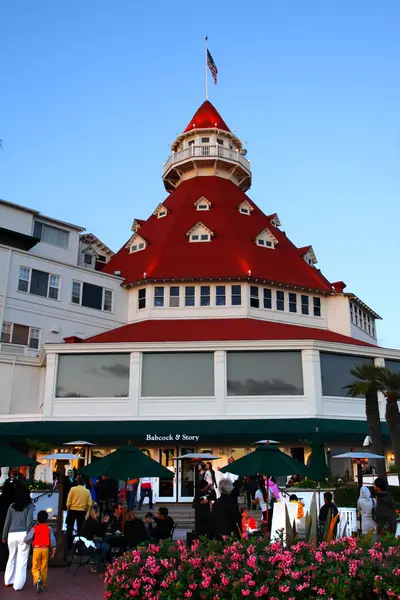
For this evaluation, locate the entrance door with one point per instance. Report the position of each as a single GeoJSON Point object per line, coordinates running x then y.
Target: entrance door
{"type": "Point", "coordinates": [167, 487]}
{"type": "Point", "coordinates": [186, 477]}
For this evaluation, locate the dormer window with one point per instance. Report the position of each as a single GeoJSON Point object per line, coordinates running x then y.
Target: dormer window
{"type": "Point", "coordinates": [220, 142]}
{"type": "Point", "coordinates": [202, 204]}
{"type": "Point", "coordinates": [245, 208]}
{"type": "Point", "coordinates": [136, 243]}
{"type": "Point", "coordinates": [274, 220]}
{"type": "Point", "coordinates": [308, 255]}
{"type": "Point", "coordinates": [200, 233]}
{"type": "Point", "coordinates": [266, 240]}
{"type": "Point", "coordinates": [161, 211]}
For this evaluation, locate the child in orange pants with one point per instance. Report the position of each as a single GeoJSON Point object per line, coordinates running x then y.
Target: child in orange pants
{"type": "Point", "coordinates": [42, 539]}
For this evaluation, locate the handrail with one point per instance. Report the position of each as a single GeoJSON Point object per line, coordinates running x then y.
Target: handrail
{"type": "Point", "coordinates": [206, 151]}
{"type": "Point", "coordinates": [48, 493]}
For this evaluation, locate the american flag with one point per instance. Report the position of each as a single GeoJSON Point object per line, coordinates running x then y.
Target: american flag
{"type": "Point", "coordinates": [212, 66]}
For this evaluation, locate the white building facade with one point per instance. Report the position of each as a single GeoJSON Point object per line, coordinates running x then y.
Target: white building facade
{"type": "Point", "coordinates": [211, 330]}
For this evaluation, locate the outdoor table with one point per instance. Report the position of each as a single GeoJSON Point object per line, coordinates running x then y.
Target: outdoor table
{"type": "Point", "coordinates": [117, 542]}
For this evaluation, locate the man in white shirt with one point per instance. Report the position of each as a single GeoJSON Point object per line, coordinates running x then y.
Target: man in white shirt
{"type": "Point", "coordinates": [146, 490]}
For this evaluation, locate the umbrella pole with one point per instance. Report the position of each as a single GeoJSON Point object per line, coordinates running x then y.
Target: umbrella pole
{"type": "Point", "coordinates": [359, 474]}
{"type": "Point", "coordinates": [126, 500]}
{"type": "Point", "coordinates": [267, 511]}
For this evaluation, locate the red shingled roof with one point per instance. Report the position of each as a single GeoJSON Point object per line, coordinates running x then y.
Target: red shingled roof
{"type": "Point", "coordinates": [207, 117]}
{"type": "Point", "coordinates": [232, 253]}
{"type": "Point", "coordinates": [199, 330]}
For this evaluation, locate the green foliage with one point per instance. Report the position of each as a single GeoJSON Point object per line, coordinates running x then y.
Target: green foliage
{"type": "Point", "coordinates": [393, 468]}
{"type": "Point", "coordinates": [309, 484]}
{"type": "Point", "coordinates": [36, 446]}
{"type": "Point", "coordinates": [36, 486]}
{"type": "Point", "coordinates": [348, 495]}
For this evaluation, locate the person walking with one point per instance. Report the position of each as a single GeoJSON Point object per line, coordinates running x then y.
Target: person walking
{"type": "Point", "coordinates": [225, 517]}
{"type": "Point", "coordinates": [385, 512]}
{"type": "Point", "coordinates": [261, 498]}
{"type": "Point", "coordinates": [19, 521]}
{"type": "Point", "coordinates": [146, 491]}
{"type": "Point", "coordinates": [68, 482]}
{"type": "Point", "coordinates": [78, 503]}
{"type": "Point", "coordinates": [366, 506]}
{"type": "Point", "coordinates": [42, 539]}
{"type": "Point", "coordinates": [131, 492]}
{"type": "Point", "coordinates": [251, 487]}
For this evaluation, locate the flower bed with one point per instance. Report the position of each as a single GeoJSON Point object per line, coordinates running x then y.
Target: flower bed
{"type": "Point", "coordinates": [343, 570]}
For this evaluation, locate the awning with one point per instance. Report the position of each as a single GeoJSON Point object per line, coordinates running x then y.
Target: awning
{"type": "Point", "coordinates": [187, 433]}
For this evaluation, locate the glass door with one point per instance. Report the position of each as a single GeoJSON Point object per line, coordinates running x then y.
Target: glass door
{"type": "Point", "coordinates": [165, 489]}
{"type": "Point", "coordinates": [186, 475]}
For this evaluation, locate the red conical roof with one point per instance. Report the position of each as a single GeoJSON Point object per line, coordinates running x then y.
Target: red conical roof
{"type": "Point", "coordinates": [232, 252]}
{"type": "Point", "coordinates": [207, 117]}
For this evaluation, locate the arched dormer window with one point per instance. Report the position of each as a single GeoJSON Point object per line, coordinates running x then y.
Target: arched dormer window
{"type": "Point", "coordinates": [265, 239]}
{"type": "Point", "coordinates": [202, 204]}
{"type": "Point", "coordinates": [199, 233]}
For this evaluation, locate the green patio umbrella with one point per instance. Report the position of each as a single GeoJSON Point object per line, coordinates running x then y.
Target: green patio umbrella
{"type": "Point", "coordinates": [126, 463]}
{"type": "Point", "coordinates": [268, 460]}
{"type": "Point", "coordinates": [9, 457]}
{"type": "Point", "coordinates": [318, 468]}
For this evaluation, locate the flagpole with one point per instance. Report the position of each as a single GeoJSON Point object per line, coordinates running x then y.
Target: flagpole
{"type": "Point", "coordinates": [206, 70]}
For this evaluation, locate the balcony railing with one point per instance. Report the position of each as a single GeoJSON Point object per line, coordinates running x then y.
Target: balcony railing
{"type": "Point", "coordinates": [207, 151]}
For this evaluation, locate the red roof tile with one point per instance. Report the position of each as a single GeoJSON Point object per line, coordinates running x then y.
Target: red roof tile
{"type": "Point", "coordinates": [232, 253]}
{"type": "Point", "coordinates": [207, 117]}
{"type": "Point", "coordinates": [196, 330]}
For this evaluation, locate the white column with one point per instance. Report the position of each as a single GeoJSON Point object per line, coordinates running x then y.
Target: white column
{"type": "Point", "coordinates": [134, 383]}
{"type": "Point", "coordinates": [220, 381]}
{"type": "Point", "coordinates": [312, 382]}
{"type": "Point", "coordinates": [380, 362]}
{"type": "Point", "coordinates": [49, 384]}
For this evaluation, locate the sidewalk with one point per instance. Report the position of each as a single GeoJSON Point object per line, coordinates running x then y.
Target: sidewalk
{"type": "Point", "coordinates": [62, 586]}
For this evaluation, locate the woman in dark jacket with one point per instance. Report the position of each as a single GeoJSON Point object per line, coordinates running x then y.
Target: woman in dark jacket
{"type": "Point", "coordinates": [134, 530]}
{"type": "Point", "coordinates": [201, 505]}
{"type": "Point", "coordinates": [225, 517]}
{"type": "Point", "coordinates": [93, 527]}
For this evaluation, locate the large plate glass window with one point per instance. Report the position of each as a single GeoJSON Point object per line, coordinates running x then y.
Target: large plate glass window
{"type": "Point", "coordinates": [177, 374]}
{"type": "Point", "coordinates": [48, 234]}
{"type": "Point", "coordinates": [335, 372]}
{"type": "Point", "coordinates": [93, 376]}
{"type": "Point", "coordinates": [264, 373]}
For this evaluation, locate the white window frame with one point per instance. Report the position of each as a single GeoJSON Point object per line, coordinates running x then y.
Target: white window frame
{"type": "Point", "coordinates": [103, 300]}
{"type": "Point", "coordinates": [237, 295]}
{"type": "Point", "coordinates": [79, 283]}
{"type": "Point", "coordinates": [171, 298]}
{"type": "Point", "coordinates": [32, 337]}
{"type": "Point", "coordinates": [144, 298]}
{"type": "Point", "coordinates": [43, 224]}
{"type": "Point", "coordinates": [9, 333]}
{"type": "Point", "coordinates": [315, 308]}
{"type": "Point", "coordinates": [279, 300]}
{"type": "Point", "coordinates": [255, 297]}
{"type": "Point", "coordinates": [157, 297]}
{"type": "Point", "coordinates": [306, 314]}
{"type": "Point", "coordinates": [187, 296]}
{"type": "Point", "coordinates": [205, 296]}
{"type": "Point", "coordinates": [265, 299]}
{"type": "Point", "coordinates": [196, 237]}
{"type": "Point", "coordinates": [220, 295]}
{"type": "Point", "coordinates": [28, 291]}
{"type": "Point", "coordinates": [293, 312]}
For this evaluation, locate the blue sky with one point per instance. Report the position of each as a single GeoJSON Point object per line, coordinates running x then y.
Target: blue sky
{"type": "Point", "coordinates": [93, 92]}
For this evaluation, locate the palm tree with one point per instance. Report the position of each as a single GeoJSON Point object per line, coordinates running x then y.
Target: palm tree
{"type": "Point", "coordinates": [368, 383]}
{"type": "Point", "coordinates": [391, 389]}
{"type": "Point", "coordinates": [35, 447]}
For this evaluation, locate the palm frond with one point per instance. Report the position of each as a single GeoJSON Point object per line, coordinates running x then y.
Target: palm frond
{"type": "Point", "coordinates": [368, 379]}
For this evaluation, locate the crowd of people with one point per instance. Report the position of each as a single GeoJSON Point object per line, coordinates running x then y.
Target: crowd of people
{"type": "Point", "coordinates": [96, 511]}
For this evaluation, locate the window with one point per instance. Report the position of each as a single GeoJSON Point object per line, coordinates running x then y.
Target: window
{"type": "Point", "coordinates": [39, 283]}
{"type": "Point", "coordinates": [205, 140]}
{"type": "Point", "coordinates": [220, 142]}
{"type": "Point", "coordinates": [264, 374]}
{"type": "Point", "coordinates": [162, 213]}
{"type": "Point", "coordinates": [202, 207]}
{"type": "Point", "coordinates": [304, 305]}
{"type": "Point", "coordinates": [34, 337]}
{"type": "Point", "coordinates": [101, 258]}
{"type": "Point", "coordinates": [205, 298]}
{"type": "Point", "coordinates": [189, 295]}
{"type": "Point", "coordinates": [51, 235]}
{"type": "Point", "coordinates": [158, 296]}
{"type": "Point", "coordinates": [292, 303]}
{"type": "Point", "coordinates": [54, 287]}
{"type": "Point", "coordinates": [280, 300]}
{"type": "Point", "coordinates": [92, 296]}
{"type": "Point", "coordinates": [203, 237]}
{"type": "Point", "coordinates": [142, 298]}
{"type": "Point", "coordinates": [335, 372]}
{"type": "Point", "coordinates": [6, 333]}
{"type": "Point", "coordinates": [236, 295]}
{"type": "Point", "coordinates": [23, 335]}
{"type": "Point", "coordinates": [254, 300]}
{"type": "Point", "coordinates": [88, 259]}
{"type": "Point", "coordinates": [107, 300]}
{"type": "Point", "coordinates": [245, 211]}
{"type": "Point", "coordinates": [262, 242]}
{"type": "Point", "coordinates": [139, 244]}
{"type": "Point", "coordinates": [220, 295]}
{"type": "Point", "coordinates": [93, 376]}
{"type": "Point", "coordinates": [174, 296]}
{"type": "Point", "coordinates": [24, 277]}
{"type": "Point", "coordinates": [267, 298]}
{"type": "Point", "coordinates": [76, 292]}
{"type": "Point", "coordinates": [317, 306]}
{"type": "Point", "coordinates": [177, 374]}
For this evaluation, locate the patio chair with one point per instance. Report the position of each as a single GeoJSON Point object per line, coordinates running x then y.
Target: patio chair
{"type": "Point", "coordinates": [83, 556]}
